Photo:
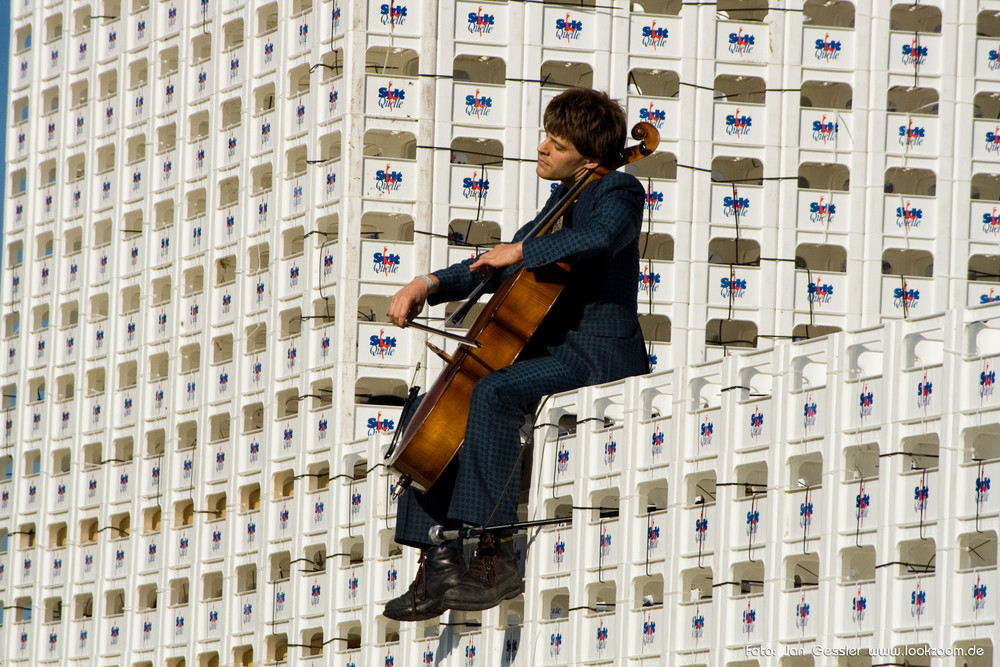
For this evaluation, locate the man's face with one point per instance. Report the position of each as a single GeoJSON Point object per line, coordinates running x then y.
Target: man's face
{"type": "Point", "coordinates": [558, 160]}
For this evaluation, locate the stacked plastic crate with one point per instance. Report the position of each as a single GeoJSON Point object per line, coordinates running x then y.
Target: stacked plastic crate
{"type": "Point", "coordinates": [192, 426]}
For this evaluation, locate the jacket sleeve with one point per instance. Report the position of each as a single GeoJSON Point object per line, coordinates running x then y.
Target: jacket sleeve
{"type": "Point", "coordinates": [610, 224]}
{"type": "Point", "coordinates": [457, 282]}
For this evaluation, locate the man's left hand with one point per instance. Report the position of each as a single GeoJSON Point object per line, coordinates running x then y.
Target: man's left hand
{"type": "Point", "coordinates": [499, 257]}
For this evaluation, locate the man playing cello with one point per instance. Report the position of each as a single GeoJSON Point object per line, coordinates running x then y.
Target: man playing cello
{"type": "Point", "coordinates": [590, 336]}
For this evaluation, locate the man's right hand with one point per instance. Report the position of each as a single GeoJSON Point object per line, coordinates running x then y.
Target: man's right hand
{"type": "Point", "coordinates": [409, 301]}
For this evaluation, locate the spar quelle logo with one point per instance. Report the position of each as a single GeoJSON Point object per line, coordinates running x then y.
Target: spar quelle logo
{"type": "Point", "coordinates": [654, 37]}
{"type": "Point", "coordinates": [827, 49]}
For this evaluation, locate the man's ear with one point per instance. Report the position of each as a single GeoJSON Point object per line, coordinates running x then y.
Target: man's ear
{"type": "Point", "coordinates": [592, 163]}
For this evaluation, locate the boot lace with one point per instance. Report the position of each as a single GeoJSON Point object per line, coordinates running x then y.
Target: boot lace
{"type": "Point", "coordinates": [485, 564]}
{"type": "Point", "coordinates": [419, 582]}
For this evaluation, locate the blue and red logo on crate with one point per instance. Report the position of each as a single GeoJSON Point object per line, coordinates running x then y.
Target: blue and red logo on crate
{"type": "Point", "coordinates": [352, 588]}
{"type": "Point", "coordinates": [705, 430]}
{"type": "Point", "coordinates": [562, 459]}
{"type": "Point", "coordinates": [559, 550]}
{"type": "Point", "coordinates": [333, 98]}
{"type": "Point", "coordinates": [805, 512]}
{"type": "Point", "coordinates": [478, 106]}
{"type": "Point", "coordinates": [735, 205]}
{"type": "Point", "coordinates": [387, 180]}
{"type": "Point", "coordinates": [378, 425]}
{"type": "Point", "coordinates": [914, 53]}
{"type": "Point", "coordinates": [602, 636]}
{"type": "Point", "coordinates": [654, 199]}
{"type": "Point", "coordinates": [605, 542]}
{"type": "Point", "coordinates": [982, 490]}
{"type": "Point", "coordinates": [991, 221]}
{"type": "Point", "coordinates": [649, 280]}
{"type": "Point", "coordinates": [740, 44]}
{"type": "Point", "coordinates": [809, 412]}
{"type": "Point", "coordinates": [470, 654]}
{"type": "Point", "coordinates": [867, 401]}
{"type": "Point", "coordinates": [924, 391]}
{"type": "Point", "coordinates": [921, 494]}
{"type": "Point", "coordinates": [918, 602]}
{"type": "Point", "coordinates": [555, 644]}
{"type": "Point", "coordinates": [825, 131]}
{"type": "Point", "coordinates": [652, 537]}
{"type": "Point", "coordinates": [653, 115]}
{"type": "Point", "coordinates": [701, 527]}
{"type": "Point", "coordinates": [475, 188]}
{"type": "Point", "coordinates": [858, 607]}
{"type": "Point", "coordinates": [697, 624]}
{"type": "Point", "coordinates": [610, 449]}
{"type": "Point", "coordinates": [904, 297]}
{"type": "Point", "coordinates": [822, 212]}
{"type": "Point", "coordinates": [749, 619]}
{"type": "Point", "coordinates": [733, 287]}
{"type": "Point", "coordinates": [827, 49]}
{"type": "Point", "coordinates": [382, 346]}
{"type": "Point", "coordinates": [391, 577]}
{"type": "Point", "coordinates": [480, 23]}
{"type": "Point", "coordinates": [355, 503]}
{"type": "Point", "coordinates": [911, 136]}
{"type": "Point", "coordinates": [738, 125]}
{"type": "Point", "coordinates": [862, 502]}
{"type": "Point", "coordinates": [753, 522]}
{"type": "Point", "coordinates": [654, 37]}
{"type": "Point", "coordinates": [987, 382]}
{"type": "Point", "coordinates": [993, 60]}
{"type": "Point", "coordinates": [568, 29]}
{"type": "Point", "coordinates": [390, 98]}
{"type": "Point", "coordinates": [802, 613]}
{"type": "Point", "coordinates": [385, 263]}
{"type": "Point", "coordinates": [756, 423]}
{"type": "Point", "coordinates": [820, 292]}
{"type": "Point", "coordinates": [393, 13]}
{"type": "Point", "coordinates": [656, 444]}
{"type": "Point", "coordinates": [979, 595]}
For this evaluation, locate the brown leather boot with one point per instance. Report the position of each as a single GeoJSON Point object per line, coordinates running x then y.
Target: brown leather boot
{"type": "Point", "coordinates": [492, 576]}
{"type": "Point", "coordinates": [439, 569]}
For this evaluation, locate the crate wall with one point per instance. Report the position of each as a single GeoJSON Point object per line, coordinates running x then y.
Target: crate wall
{"type": "Point", "coordinates": [210, 204]}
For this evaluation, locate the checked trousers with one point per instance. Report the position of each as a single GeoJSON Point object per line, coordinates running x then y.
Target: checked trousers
{"type": "Point", "coordinates": [482, 484]}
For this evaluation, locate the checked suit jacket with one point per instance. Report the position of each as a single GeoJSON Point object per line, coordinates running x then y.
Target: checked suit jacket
{"type": "Point", "coordinates": [592, 333]}
{"type": "Point", "coordinates": [593, 328]}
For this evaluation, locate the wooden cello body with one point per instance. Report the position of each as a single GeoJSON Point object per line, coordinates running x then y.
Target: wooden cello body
{"type": "Point", "coordinates": [502, 329]}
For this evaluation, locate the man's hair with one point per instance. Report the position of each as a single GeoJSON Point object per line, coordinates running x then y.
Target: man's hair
{"type": "Point", "coordinates": [594, 122]}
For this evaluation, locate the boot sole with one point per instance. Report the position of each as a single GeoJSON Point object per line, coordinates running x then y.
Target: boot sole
{"type": "Point", "coordinates": [416, 615]}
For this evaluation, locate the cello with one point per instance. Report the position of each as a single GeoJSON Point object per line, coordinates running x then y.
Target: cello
{"type": "Point", "coordinates": [436, 430]}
